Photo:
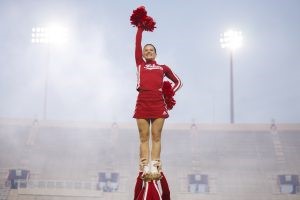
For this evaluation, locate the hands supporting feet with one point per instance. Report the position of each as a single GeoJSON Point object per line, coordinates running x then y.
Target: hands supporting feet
{"type": "Point", "coordinates": [152, 170]}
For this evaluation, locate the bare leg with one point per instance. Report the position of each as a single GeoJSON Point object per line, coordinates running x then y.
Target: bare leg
{"type": "Point", "coordinates": [156, 129]}
{"type": "Point", "coordinates": [143, 126]}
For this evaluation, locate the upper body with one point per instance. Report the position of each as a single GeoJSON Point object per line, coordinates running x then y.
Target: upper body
{"type": "Point", "coordinates": [150, 75]}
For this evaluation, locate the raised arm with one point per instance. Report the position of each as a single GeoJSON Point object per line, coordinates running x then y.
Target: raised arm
{"type": "Point", "coordinates": [138, 47]}
{"type": "Point", "coordinates": [174, 78]}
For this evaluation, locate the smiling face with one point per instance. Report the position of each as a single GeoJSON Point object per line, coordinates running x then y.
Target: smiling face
{"type": "Point", "coordinates": [149, 52]}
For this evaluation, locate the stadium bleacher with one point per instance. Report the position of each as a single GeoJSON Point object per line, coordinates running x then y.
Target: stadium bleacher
{"type": "Point", "coordinates": [77, 160]}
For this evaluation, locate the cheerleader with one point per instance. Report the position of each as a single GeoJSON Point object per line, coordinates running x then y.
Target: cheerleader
{"type": "Point", "coordinates": [155, 96]}
{"type": "Point", "coordinates": [148, 189]}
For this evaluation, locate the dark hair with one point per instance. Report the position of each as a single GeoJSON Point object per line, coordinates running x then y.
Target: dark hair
{"type": "Point", "coordinates": [152, 46]}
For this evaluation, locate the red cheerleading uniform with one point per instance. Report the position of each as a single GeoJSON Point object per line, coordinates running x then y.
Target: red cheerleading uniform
{"type": "Point", "coordinates": [149, 190]}
{"type": "Point", "coordinates": [150, 103]}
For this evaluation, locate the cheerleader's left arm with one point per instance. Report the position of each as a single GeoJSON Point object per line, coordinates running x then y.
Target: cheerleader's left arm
{"type": "Point", "coordinates": [174, 78]}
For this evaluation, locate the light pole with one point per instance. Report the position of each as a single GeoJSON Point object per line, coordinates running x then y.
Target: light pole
{"type": "Point", "coordinates": [46, 36]}
{"type": "Point", "coordinates": [231, 39]}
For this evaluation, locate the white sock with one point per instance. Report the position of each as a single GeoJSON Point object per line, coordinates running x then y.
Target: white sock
{"type": "Point", "coordinates": [153, 168]}
{"type": "Point", "coordinates": [146, 168]}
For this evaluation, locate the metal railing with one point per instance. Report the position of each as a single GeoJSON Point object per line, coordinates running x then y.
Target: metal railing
{"type": "Point", "coordinates": [67, 184]}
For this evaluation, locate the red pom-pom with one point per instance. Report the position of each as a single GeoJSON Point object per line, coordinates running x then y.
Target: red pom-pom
{"type": "Point", "coordinates": [148, 24]}
{"type": "Point", "coordinates": [139, 18]}
{"type": "Point", "coordinates": [168, 93]}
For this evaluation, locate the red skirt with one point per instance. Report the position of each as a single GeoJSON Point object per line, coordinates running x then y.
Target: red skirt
{"type": "Point", "coordinates": [150, 105]}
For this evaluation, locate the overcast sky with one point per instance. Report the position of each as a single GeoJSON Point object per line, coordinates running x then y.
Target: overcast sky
{"type": "Point", "coordinates": [93, 76]}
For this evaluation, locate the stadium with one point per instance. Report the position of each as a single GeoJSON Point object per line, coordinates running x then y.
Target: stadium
{"type": "Point", "coordinates": [219, 97]}
{"type": "Point", "coordinates": [49, 160]}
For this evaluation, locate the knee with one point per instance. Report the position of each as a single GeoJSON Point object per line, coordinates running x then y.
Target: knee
{"type": "Point", "coordinates": [144, 140]}
{"type": "Point", "coordinates": [156, 137]}
{"type": "Point", "coordinates": [144, 137]}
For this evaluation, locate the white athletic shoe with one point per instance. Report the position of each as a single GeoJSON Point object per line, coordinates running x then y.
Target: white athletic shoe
{"type": "Point", "coordinates": [153, 167]}
{"type": "Point", "coordinates": [146, 169]}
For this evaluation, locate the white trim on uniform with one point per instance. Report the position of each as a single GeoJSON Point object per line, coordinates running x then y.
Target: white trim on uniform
{"type": "Point", "coordinates": [179, 85]}
{"type": "Point", "coordinates": [138, 75]}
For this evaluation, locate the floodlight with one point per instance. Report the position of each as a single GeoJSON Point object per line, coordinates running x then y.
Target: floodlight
{"type": "Point", "coordinates": [53, 34]}
{"type": "Point", "coordinates": [231, 39]}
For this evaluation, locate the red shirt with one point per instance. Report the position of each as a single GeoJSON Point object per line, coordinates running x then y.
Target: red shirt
{"type": "Point", "coordinates": [150, 75]}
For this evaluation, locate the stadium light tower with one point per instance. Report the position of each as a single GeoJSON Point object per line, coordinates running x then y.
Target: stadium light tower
{"type": "Point", "coordinates": [231, 39]}
{"type": "Point", "coordinates": [56, 35]}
